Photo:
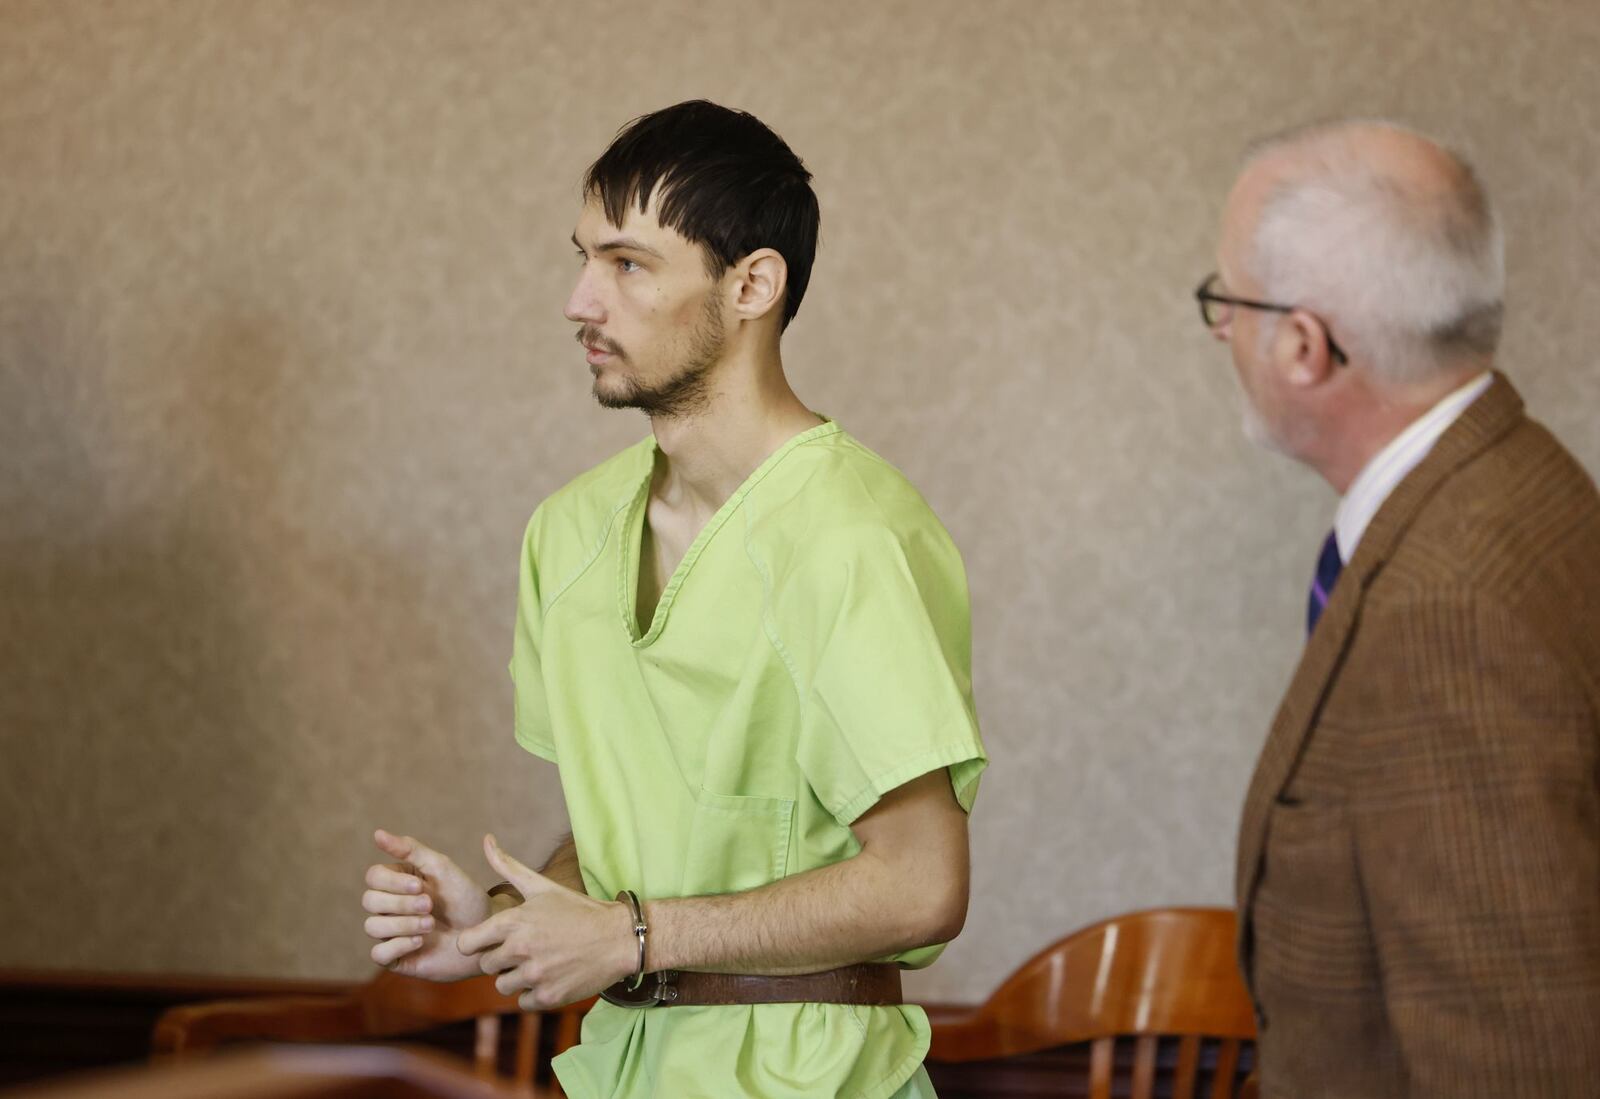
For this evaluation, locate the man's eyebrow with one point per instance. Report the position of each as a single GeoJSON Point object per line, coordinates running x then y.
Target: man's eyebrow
{"type": "Point", "coordinates": [621, 244]}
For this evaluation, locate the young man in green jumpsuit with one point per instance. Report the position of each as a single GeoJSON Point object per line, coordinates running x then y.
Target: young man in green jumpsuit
{"type": "Point", "coordinates": [745, 642]}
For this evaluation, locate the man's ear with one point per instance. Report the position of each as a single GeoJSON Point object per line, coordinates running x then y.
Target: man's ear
{"type": "Point", "coordinates": [1304, 351]}
{"type": "Point", "coordinates": [760, 281]}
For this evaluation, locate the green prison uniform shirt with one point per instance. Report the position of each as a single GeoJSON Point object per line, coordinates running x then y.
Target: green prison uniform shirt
{"type": "Point", "coordinates": [811, 652]}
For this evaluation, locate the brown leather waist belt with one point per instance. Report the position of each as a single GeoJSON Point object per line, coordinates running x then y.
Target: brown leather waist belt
{"type": "Point", "coordinates": [875, 983]}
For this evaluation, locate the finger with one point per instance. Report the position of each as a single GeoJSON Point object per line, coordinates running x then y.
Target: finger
{"type": "Point", "coordinates": [490, 933]}
{"type": "Point", "coordinates": [424, 858]}
{"type": "Point", "coordinates": [387, 953]}
{"type": "Point", "coordinates": [500, 959]}
{"type": "Point", "coordinates": [412, 850]}
{"type": "Point", "coordinates": [528, 881]}
{"type": "Point", "coordinates": [394, 846]}
{"type": "Point", "coordinates": [393, 879]}
{"type": "Point", "coordinates": [513, 981]}
{"type": "Point", "coordinates": [378, 903]}
{"type": "Point", "coordinates": [537, 1000]}
{"type": "Point", "coordinates": [394, 927]}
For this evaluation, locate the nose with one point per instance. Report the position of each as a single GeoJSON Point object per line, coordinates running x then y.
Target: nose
{"type": "Point", "coordinates": [583, 305]}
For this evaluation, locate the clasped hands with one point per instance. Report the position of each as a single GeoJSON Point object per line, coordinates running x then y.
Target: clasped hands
{"type": "Point", "coordinates": [432, 920]}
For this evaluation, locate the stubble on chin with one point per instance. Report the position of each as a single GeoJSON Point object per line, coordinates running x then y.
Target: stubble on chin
{"type": "Point", "coordinates": [687, 391]}
{"type": "Point", "coordinates": [1252, 423]}
{"type": "Point", "coordinates": [1255, 428]}
{"type": "Point", "coordinates": [684, 394]}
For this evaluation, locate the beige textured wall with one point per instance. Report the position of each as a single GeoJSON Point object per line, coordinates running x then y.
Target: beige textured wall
{"type": "Point", "coordinates": [283, 371]}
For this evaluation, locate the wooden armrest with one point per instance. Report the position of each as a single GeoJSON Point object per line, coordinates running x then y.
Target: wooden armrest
{"type": "Point", "coordinates": [322, 1072]}
{"type": "Point", "coordinates": [194, 1028]}
{"type": "Point", "coordinates": [965, 1034]}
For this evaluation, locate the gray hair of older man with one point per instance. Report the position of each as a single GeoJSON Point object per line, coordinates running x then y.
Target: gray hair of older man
{"type": "Point", "coordinates": [1410, 279]}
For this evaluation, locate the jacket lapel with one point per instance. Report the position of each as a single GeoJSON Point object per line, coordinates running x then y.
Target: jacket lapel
{"type": "Point", "coordinates": [1486, 420]}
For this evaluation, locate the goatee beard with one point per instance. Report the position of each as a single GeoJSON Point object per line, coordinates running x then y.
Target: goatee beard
{"type": "Point", "coordinates": [684, 394]}
{"type": "Point", "coordinates": [688, 391]}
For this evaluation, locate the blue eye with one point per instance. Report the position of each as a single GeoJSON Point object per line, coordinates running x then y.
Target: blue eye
{"type": "Point", "coordinates": [628, 266]}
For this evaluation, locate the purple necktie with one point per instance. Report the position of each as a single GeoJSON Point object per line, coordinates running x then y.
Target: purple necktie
{"type": "Point", "coordinates": [1328, 566]}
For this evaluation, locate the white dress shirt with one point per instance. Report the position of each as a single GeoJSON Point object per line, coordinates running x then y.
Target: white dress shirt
{"type": "Point", "coordinates": [1390, 465]}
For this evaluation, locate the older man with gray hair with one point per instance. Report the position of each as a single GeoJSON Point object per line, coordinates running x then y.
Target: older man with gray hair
{"type": "Point", "coordinates": [1419, 856]}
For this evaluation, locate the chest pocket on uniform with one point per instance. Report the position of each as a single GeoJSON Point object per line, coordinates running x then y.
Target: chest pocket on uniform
{"type": "Point", "coordinates": [736, 843]}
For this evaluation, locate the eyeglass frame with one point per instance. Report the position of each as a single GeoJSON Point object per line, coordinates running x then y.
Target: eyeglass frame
{"type": "Point", "coordinates": [1206, 296]}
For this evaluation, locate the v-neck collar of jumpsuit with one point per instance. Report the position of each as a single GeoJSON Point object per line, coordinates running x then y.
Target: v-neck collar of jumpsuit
{"type": "Point", "coordinates": [810, 653]}
{"type": "Point", "coordinates": [633, 535]}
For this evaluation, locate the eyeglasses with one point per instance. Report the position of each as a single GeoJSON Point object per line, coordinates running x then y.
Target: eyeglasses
{"type": "Point", "coordinates": [1206, 294]}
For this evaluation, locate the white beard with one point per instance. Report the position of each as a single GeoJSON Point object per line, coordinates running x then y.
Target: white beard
{"type": "Point", "coordinates": [1255, 426]}
{"type": "Point", "coordinates": [1253, 423]}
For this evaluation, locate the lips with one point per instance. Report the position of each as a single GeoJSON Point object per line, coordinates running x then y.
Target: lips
{"type": "Point", "coordinates": [599, 349]}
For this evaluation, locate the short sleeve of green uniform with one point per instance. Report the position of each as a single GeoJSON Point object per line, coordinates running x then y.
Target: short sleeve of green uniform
{"type": "Point", "coordinates": [527, 671]}
{"type": "Point", "coordinates": [878, 627]}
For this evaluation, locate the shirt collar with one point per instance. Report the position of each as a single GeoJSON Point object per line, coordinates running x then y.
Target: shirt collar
{"type": "Point", "coordinates": [1390, 465]}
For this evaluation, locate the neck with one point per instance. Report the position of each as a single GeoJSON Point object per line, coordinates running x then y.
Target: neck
{"type": "Point", "coordinates": [1368, 416]}
{"type": "Point", "coordinates": [751, 412]}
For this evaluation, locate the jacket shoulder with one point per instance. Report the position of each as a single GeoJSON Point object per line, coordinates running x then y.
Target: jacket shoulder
{"type": "Point", "coordinates": [1520, 508]}
{"type": "Point", "coordinates": [1517, 528]}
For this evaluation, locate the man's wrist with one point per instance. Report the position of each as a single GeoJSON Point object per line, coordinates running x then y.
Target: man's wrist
{"type": "Point", "coordinates": [628, 956]}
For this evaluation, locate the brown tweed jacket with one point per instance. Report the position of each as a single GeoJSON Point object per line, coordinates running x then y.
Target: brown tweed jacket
{"type": "Point", "coordinates": [1419, 858]}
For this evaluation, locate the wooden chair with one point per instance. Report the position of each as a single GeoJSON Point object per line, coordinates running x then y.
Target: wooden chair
{"type": "Point", "coordinates": [1165, 981]}
{"type": "Point", "coordinates": [388, 1006]}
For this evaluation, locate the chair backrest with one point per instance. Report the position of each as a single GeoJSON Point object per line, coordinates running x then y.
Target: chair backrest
{"type": "Point", "coordinates": [388, 1006]}
{"type": "Point", "coordinates": [393, 1005]}
{"type": "Point", "coordinates": [1165, 981]}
